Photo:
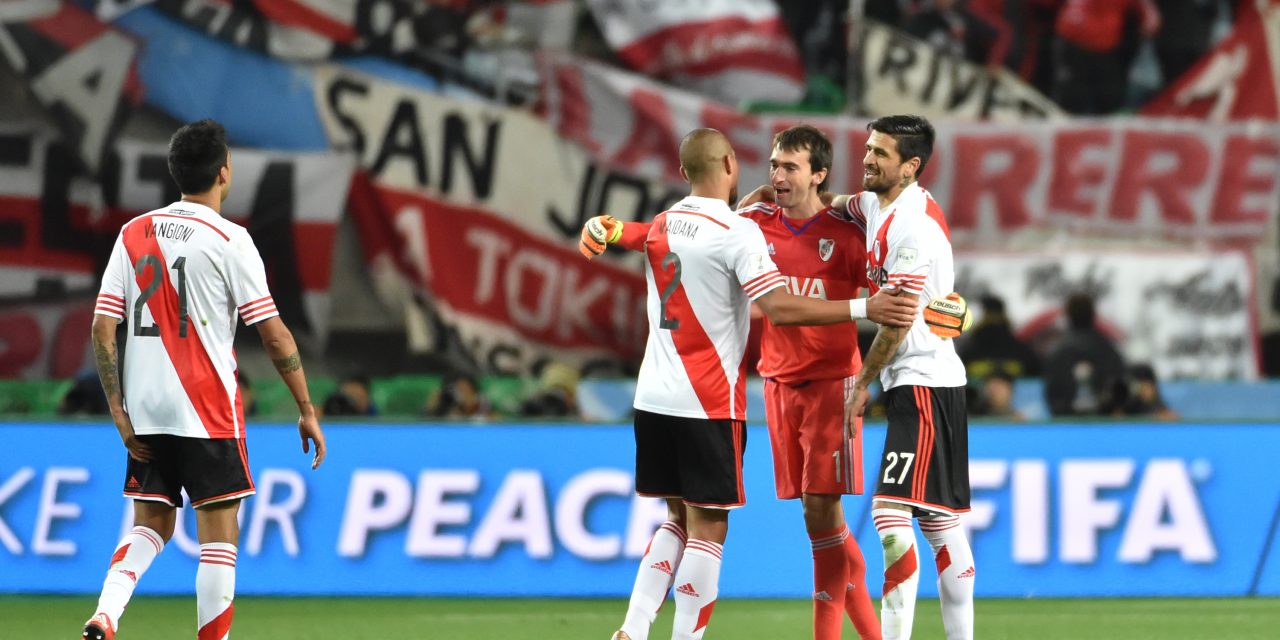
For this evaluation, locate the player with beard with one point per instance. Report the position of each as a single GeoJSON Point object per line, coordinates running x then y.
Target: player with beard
{"type": "Point", "coordinates": [808, 370]}
{"type": "Point", "coordinates": [924, 468]}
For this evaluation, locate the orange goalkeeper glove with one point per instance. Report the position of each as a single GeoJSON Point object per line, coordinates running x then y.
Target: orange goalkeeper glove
{"type": "Point", "coordinates": [597, 234]}
{"type": "Point", "coordinates": [948, 317]}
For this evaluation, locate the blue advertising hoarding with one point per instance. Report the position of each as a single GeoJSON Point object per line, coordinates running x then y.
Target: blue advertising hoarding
{"type": "Point", "coordinates": [547, 510]}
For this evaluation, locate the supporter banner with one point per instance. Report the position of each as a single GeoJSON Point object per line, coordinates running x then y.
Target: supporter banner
{"type": "Point", "coordinates": [315, 30]}
{"type": "Point", "coordinates": [1125, 178]}
{"type": "Point", "coordinates": [480, 207]}
{"type": "Point", "coordinates": [731, 50]}
{"type": "Point", "coordinates": [59, 224]}
{"type": "Point", "coordinates": [262, 101]}
{"type": "Point", "coordinates": [245, 26]}
{"type": "Point", "coordinates": [900, 74]}
{"type": "Point", "coordinates": [1058, 510]}
{"type": "Point", "coordinates": [1237, 80]}
{"type": "Point", "coordinates": [81, 70]}
{"type": "Point", "coordinates": [1188, 314]}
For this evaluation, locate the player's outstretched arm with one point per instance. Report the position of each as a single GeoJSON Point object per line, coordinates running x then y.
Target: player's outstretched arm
{"type": "Point", "coordinates": [603, 230]}
{"type": "Point", "coordinates": [784, 309]}
{"type": "Point", "coordinates": [279, 343]}
{"type": "Point", "coordinates": [107, 358]}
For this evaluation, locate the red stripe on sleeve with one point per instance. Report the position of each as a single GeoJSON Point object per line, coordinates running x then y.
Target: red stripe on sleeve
{"type": "Point", "coordinates": [768, 274]}
{"type": "Point", "coordinates": [755, 291]}
{"type": "Point", "coordinates": [259, 314]}
{"type": "Point", "coordinates": [270, 304]}
{"type": "Point", "coordinates": [246, 305]}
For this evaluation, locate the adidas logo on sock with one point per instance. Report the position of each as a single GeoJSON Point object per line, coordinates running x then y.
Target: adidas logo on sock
{"type": "Point", "coordinates": [132, 576]}
{"type": "Point", "coordinates": [687, 589]}
{"type": "Point", "coordinates": [968, 573]}
{"type": "Point", "coordinates": [133, 483]}
{"type": "Point", "coordinates": [662, 566]}
{"type": "Point", "coordinates": [823, 596]}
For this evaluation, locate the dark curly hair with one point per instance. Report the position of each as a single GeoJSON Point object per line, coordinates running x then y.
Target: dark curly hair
{"type": "Point", "coordinates": [197, 152]}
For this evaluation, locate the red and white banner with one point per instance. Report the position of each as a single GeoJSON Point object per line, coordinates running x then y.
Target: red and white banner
{"type": "Point", "coordinates": [316, 30]}
{"type": "Point", "coordinates": [732, 50]}
{"type": "Point", "coordinates": [59, 226]}
{"type": "Point", "coordinates": [1239, 79]}
{"type": "Point", "coordinates": [478, 209]}
{"type": "Point", "coordinates": [1190, 314]}
{"type": "Point", "coordinates": [1116, 178]}
{"type": "Point", "coordinates": [80, 70]}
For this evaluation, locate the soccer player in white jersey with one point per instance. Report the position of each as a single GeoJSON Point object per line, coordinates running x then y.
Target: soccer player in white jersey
{"type": "Point", "coordinates": [704, 265]}
{"type": "Point", "coordinates": [807, 370]}
{"type": "Point", "coordinates": [181, 278]}
{"type": "Point", "coordinates": [924, 469]}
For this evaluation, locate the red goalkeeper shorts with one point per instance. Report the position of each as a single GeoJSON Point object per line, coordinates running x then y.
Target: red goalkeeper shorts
{"type": "Point", "coordinates": [812, 451]}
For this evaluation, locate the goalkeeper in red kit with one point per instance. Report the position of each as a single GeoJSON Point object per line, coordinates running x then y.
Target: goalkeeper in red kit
{"type": "Point", "coordinates": [808, 370]}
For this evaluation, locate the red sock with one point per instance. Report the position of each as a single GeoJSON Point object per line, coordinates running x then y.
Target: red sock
{"type": "Point", "coordinates": [830, 581]}
{"type": "Point", "coordinates": [857, 600]}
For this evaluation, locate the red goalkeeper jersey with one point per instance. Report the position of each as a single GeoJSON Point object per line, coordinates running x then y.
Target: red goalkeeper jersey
{"type": "Point", "coordinates": [821, 257]}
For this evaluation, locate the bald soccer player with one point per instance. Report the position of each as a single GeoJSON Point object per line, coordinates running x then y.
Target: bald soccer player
{"type": "Point", "coordinates": [704, 266]}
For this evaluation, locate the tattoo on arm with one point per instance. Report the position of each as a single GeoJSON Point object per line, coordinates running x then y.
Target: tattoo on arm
{"type": "Point", "coordinates": [887, 341]}
{"type": "Point", "coordinates": [108, 371]}
{"type": "Point", "coordinates": [288, 364]}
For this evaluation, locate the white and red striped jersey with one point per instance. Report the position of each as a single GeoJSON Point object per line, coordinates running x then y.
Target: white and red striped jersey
{"type": "Point", "coordinates": [181, 278]}
{"type": "Point", "coordinates": [909, 246]}
{"type": "Point", "coordinates": [704, 265]}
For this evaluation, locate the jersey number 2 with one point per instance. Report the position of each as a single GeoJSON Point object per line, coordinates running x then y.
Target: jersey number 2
{"type": "Point", "coordinates": [671, 262]}
{"type": "Point", "coordinates": [179, 265]}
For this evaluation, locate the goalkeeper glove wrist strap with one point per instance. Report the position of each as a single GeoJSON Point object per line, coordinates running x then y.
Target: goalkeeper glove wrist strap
{"type": "Point", "coordinates": [858, 309]}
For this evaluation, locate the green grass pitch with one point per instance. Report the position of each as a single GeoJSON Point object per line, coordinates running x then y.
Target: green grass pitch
{"type": "Point", "coordinates": [60, 618]}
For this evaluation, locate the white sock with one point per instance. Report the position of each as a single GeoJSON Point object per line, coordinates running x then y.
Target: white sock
{"type": "Point", "coordinates": [215, 590]}
{"type": "Point", "coordinates": [697, 586]}
{"type": "Point", "coordinates": [901, 572]}
{"type": "Point", "coordinates": [657, 569]}
{"type": "Point", "coordinates": [954, 557]}
{"type": "Point", "coordinates": [132, 558]}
